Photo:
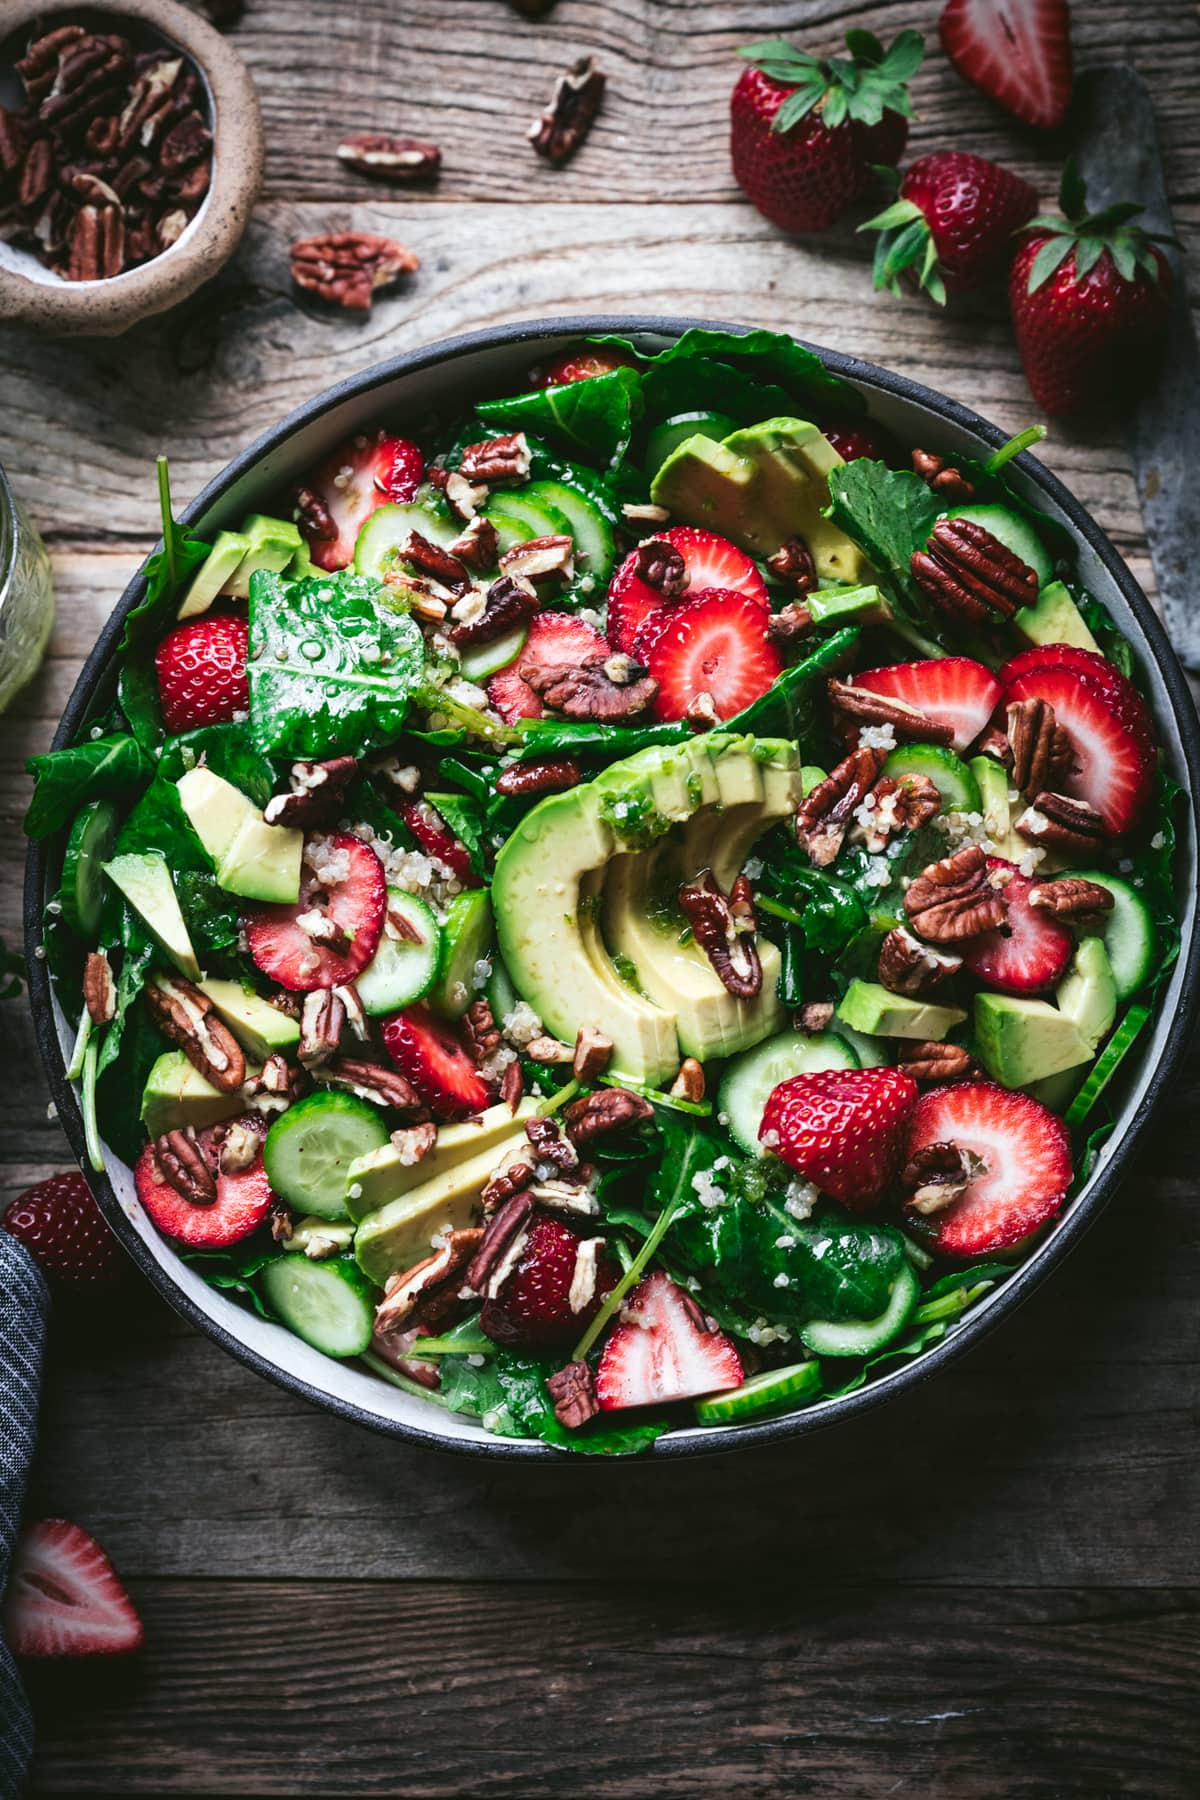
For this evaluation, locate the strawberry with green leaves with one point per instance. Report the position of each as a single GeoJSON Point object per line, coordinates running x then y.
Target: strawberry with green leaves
{"type": "Point", "coordinates": [1089, 295]}
{"type": "Point", "coordinates": [951, 224]}
{"type": "Point", "coordinates": [806, 132]}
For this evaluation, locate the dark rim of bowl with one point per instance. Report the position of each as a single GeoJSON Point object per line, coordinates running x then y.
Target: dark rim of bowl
{"type": "Point", "coordinates": [691, 1440]}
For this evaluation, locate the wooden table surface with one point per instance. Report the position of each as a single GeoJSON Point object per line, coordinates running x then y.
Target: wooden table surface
{"type": "Point", "coordinates": [989, 1588]}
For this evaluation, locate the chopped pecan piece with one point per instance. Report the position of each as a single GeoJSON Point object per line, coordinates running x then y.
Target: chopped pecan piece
{"type": "Point", "coordinates": [281, 1221]}
{"type": "Point", "coordinates": [546, 1137]}
{"type": "Point", "coordinates": [954, 898]}
{"type": "Point", "coordinates": [99, 988]}
{"type": "Point", "coordinates": [899, 803]}
{"type": "Point", "coordinates": [356, 1017]}
{"type": "Point", "coordinates": [476, 545]}
{"type": "Point", "coordinates": [948, 483]}
{"type": "Point", "coordinates": [1040, 748]}
{"type": "Point", "coordinates": [185, 1015]}
{"type": "Point", "coordinates": [938, 1175]}
{"type": "Point", "coordinates": [541, 775]}
{"type": "Point", "coordinates": [933, 1062]}
{"type": "Point", "coordinates": [559, 131]}
{"type": "Point", "coordinates": [481, 1030]}
{"type": "Point", "coordinates": [1073, 898]}
{"type": "Point", "coordinates": [497, 459]}
{"type": "Point", "coordinates": [503, 1240]}
{"type": "Point", "coordinates": [701, 712]}
{"type": "Point", "coordinates": [317, 792]}
{"type": "Point", "coordinates": [509, 602]}
{"type": "Point", "coordinates": [823, 816]}
{"type": "Point", "coordinates": [512, 1177]}
{"type": "Point", "coordinates": [347, 268]}
{"type": "Point", "coordinates": [689, 1083]}
{"type": "Point", "coordinates": [539, 559]}
{"type": "Point", "coordinates": [603, 686]}
{"type": "Point", "coordinates": [724, 928]}
{"type": "Point", "coordinates": [661, 566]}
{"type": "Point", "coordinates": [185, 1167]}
{"type": "Point", "coordinates": [791, 622]}
{"type": "Point", "coordinates": [387, 158]}
{"type": "Point", "coordinates": [1060, 822]}
{"type": "Point", "coordinates": [512, 1086]}
{"type": "Point", "coordinates": [322, 928]}
{"type": "Point", "coordinates": [573, 1391]}
{"type": "Point", "coordinates": [547, 1049]}
{"type": "Point", "coordinates": [370, 1081]}
{"type": "Point", "coordinates": [644, 513]}
{"type": "Point", "coordinates": [593, 1052]}
{"type": "Point", "coordinates": [815, 1016]}
{"type": "Point", "coordinates": [582, 1290]}
{"type": "Point", "coordinates": [907, 966]}
{"type": "Point", "coordinates": [568, 1194]}
{"type": "Point", "coordinates": [856, 706]}
{"type": "Point", "coordinates": [403, 1292]}
{"type": "Point", "coordinates": [605, 1110]}
{"type": "Point", "coordinates": [240, 1145]}
{"type": "Point", "coordinates": [413, 1143]}
{"type": "Point", "coordinates": [430, 559]}
{"type": "Point", "coordinates": [321, 1022]}
{"type": "Point", "coordinates": [793, 563]}
{"type": "Point", "coordinates": [971, 575]}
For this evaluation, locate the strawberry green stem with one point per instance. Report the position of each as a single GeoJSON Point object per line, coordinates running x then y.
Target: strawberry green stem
{"type": "Point", "coordinates": [630, 1279]}
{"type": "Point", "coordinates": [75, 1066]}
{"type": "Point", "coordinates": [91, 1130]}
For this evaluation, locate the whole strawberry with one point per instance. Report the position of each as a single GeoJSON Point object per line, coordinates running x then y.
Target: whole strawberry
{"type": "Point", "coordinates": [201, 670]}
{"type": "Point", "coordinates": [842, 1129]}
{"type": "Point", "coordinates": [952, 224]}
{"type": "Point", "coordinates": [64, 1230]}
{"type": "Point", "coordinates": [1089, 296]}
{"type": "Point", "coordinates": [806, 131]}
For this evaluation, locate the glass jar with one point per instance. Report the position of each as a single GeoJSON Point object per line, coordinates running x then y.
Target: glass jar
{"type": "Point", "coordinates": [26, 596]}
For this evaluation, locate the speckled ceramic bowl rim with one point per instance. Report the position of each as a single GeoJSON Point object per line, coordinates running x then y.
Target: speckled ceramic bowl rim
{"type": "Point", "coordinates": [1178, 1005]}
{"type": "Point", "coordinates": [110, 306]}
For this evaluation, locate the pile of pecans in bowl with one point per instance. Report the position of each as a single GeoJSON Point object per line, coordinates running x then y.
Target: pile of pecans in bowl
{"type": "Point", "coordinates": [110, 159]}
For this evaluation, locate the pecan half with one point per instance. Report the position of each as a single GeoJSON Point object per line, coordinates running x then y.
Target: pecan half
{"type": "Point", "coordinates": [430, 559]}
{"type": "Point", "coordinates": [933, 1062]}
{"type": "Point", "coordinates": [96, 244]}
{"type": "Point", "coordinates": [790, 623]}
{"type": "Point", "coordinates": [573, 1391]}
{"type": "Point", "coordinates": [793, 563]}
{"type": "Point", "coordinates": [724, 928]}
{"type": "Point", "coordinates": [1071, 897]}
{"type": "Point", "coordinates": [593, 1053]}
{"type": "Point", "coordinates": [689, 1083]}
{"type": "Point", "coordinates": [321, 1022]}
{"type": "Point", "coordinates": [661, 566]}
{"type": "Point", "coordinates": [540, 559]}
{"type": "Point", "coordinates": [317, 792]}
{"type": "Point", "coordinates": [185, 1015]}
{"type": "Point", "coordinates": [387, 158]}
{"type": "Point", "coordinates": [823, 816]}
{"type": "Point", "coordinates": [971, 575]}
{"type": "Point", "coordinates": [185, 1167]}
{"type": "Point", "coordinates": [1040, 749]}
{"type": "Point", "coordinates": [605, 1110]}
{"type": "Point", "coordinates": [1060, 822]}
{"type": "Point", "coordinates": [403, 1292]}
{"type": "Point", "coordinates": [370, 1081]}
{"type": "Point", "coordinates": [501, 1245]}
{"type": "Point", "coordinates": [541, 775]}
{"type": "Point", "coordinates": [481, 1030]}
{"type": "Point", "coordinates": [907, 966]}
{"type": "Point", "coordinates": [509, 602]}
{"type": "Point", "coordinates": [900, 803]}
{"type": "Point", "coordinates": [855, 706]}
{"type": "Point", "coordinates": [512, 1177]}
{"type": "Point", "coordinates": [557, 133]}
{"type": "Point", "coordinates": [603, 686]}
{"type": "Point", "coordinates": [347, 268]}
{"type": "Point", "coordinates": [497, 459]}
{"type": "Point", "coordinates": [476, 545]}
{"type": "Point", "coordinates": [954, 898]}
{"type": "Point", "coordinates": [947, 482]}
{"type": "Point", "coordinates": [938, 1175]}
{"type": "Point", "coordinates": [99, 988]}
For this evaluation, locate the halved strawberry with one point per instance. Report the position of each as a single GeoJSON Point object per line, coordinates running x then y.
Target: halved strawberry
{"type": "Point", "coordinates": [243, 1196]}
{"type": "Point", "coordinates": [1109, 727]}
{"type": "Point", "coordinates": [853, 438]}
{"type": "Point", "coordinates": [349, 890]}
{"type": "Point", "coordinates": [430, 1056]}
{"type": "Point", "coordinates": [1017, 51]}
{"type": "Point", "coordinates": [716, 644]}
{"type": "Point", "coordinates": [582, 362]}
{"type": "Point", "coordinates": [662, 1350]}
{"type": "Point", "coordinates": [710, 562]}
{"type": "Point", "coordinates": [534, 1303]}
{"type": "Point", "coordinates": [436, 839]}
{"type": "Point", "coordinates": [952, 690]}
{"type": "Point", "coordinates": [65, 1598]}
{"type": "Point", "coordinates": [1029, 953]}
{"type": "Point", "coordinates": [554, 638]}
{"type": "Point", "coordinates": [339, 497]}
{"type": "Point", "coordinates": [201, 672]}
{"type": "Point", "coordinates": [1026, 1154]}
{"type": "Point", "coordinates": [841, 1128]}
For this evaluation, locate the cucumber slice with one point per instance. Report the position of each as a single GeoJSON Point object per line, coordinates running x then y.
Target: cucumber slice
{"type": "Point", "coordinates": [674, 431]}
{"type": "Point", "coordinates": [1106, 1065]}
{"type": "Point", "coordinates": [750, 1077]}
{"type": "Point", "coordinates": [1128, 931]}
{"type": "Point", "coordinates": [403, 968]}
{"type": "Point", "coordinates": [862, 1337]}
{"type": "Point", "coordinates": [948, 773]}
{"type": "Point", "coordinates": [542, 518]}
{"type": "Point", "coordinates": [498, 989]}
{"type": "Point", "coordinates": [89, 846]}
{"type": "Point", "coordinates": [594, 545]}
{"type": "Point", "coordinates": [467, 937]}
{"type": "Point", "coordinates": [1014, 532]}
{"type": "Point", "coordinates": [310, 1147]}
{"type": "Point", "coordinates": [872, 1052]}
{"type": "Point", "coordinates": [798, 1383]}
{"type": "Point", "coordinates": [329, 1304]}
{"type": "Point", "coordinates": [388, 526]}
{"type": "Point", "coordinates": [481, 660]}
{"type": "Point", "coordinates": [510, 529]}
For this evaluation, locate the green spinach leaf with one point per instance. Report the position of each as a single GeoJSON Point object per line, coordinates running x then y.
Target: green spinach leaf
{"type": "Point", "coordinates": [522, 1381]}
{"type": "Point", "coordinates": [115, 766]}
{"type": "Point", "coordinates": [228, 750]}
{"type": "Point", "coordinates": [889, 513]}
{"type": "Point", "coordinates": [137, 955]}
{"type": "Point", "coordinates": [594, 419]}
{"type": "Point", "coordinates": [165, 572]}
{"type": "Point", "coordinates": [465, 820]}
{"type": "Point", "coordinates": [137, 691]}
{"type": "Point", "coordinates": [767, 356]}
{"type": "Point", "coordinates": [235, 1270]}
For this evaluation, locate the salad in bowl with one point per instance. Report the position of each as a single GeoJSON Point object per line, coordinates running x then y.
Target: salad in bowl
{"type": "Point", "coordinates": [618, 905]}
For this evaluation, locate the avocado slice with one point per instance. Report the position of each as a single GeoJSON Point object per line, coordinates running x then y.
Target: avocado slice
{"type": "Point", "coordinates": [869, 1007]}
{"type": "Point", "coordinates": [316, 1238]}
{"type": "Point", "coordinates": [399, 1234]}
{"type": "Point", "coordinates": [272, 543]}
{"type": "Point", "coordinates": [253, 859]}
{"type": "Point", "coordinates": [1087, 993]}
{"type": "Point", "coordinates": [994, 781]}
{"type": "Point", "coordinates": [145, 881]}
{"type": "Point", "coordinates": [759, 487]}
{"type": "Point", "coordinates": [1055, 619]}
{"type": "Point", "coordinates": [382, 1176]}
{"type": "Point", "coordinates": [1020, 1041]}
{"type": "Point", "coordinates": [215, 809]}
{"type": "Point", "coordinates": [176, 1095]}
{"type": "Point", "coordinates": [228, 551]}
{"type": "Point", "coordinates": [260, 1028]}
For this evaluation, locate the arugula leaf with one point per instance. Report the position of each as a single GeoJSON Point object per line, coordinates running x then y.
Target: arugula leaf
{"type": "Point", "coordinates": [767, 356]}
{"type": "Point", "coordinates": [235, 1270]}
{"type": "Point", "coordinates": [228, 750]}
{"type": "Point", "coordinates": [165, 572]}
{"type": "Point", "coordinates": [114, 765]}
{"type": "Point", "coordinates": [889, 513]}
{"type": "Point", "coordinates": [594, 418]}
{"type": "Point", "coordinates": [332, 665]}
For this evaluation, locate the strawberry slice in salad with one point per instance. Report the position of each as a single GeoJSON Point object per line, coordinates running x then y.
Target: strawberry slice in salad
{"type": "Point", "coordinates": [664, 1349]}
{"type": "Point", "coordinates": [951, 690]}
{"type": "Point", "coordinates": [1016, 1165]}
{"type": "Point", "coordinates": [211, 1197]}
{"type": "Point", "coordinates": [367, 472]}
{"type": "Point", "coordinates": [329, 935]}
{"type": "Point", "coordinates": [1108, 725]}
{"type": "Point", "coordinates": [556, 640]}
{"type": "Point", "coordinates": [709, 561]}
{"type": "Point", "coordinates": [433, 1058]}
{"type": "Point", "coordinates": [714, 645]}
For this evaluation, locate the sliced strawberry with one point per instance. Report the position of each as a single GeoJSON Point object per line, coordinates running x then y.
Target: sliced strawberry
{"type": "Point", "coordinates": [201, 671]}
{"type": "Point", "coordinates": [243, 1196]}
{"type": "Point", "coordinates": [854, 438]}
{"type": "Point", "coordinates": [841, 1128]}
{"type": "Point", "coordinates": [350, 890]}
{"type": "Point", "coordinates": [65, 1598]}
{"type": "Point", "coordinates": [1029, 952]}
{"type": "Point", "coordinates": [1026, 1154]}
{"type": "Point", "coordinates": [952, 690]}
{"type": "Point", "coordinates": [64, 1230]}
{"type": "Point", "coordinates": [1017, 51]}
{"type": "Point", "coordinates": [430, 1056]}
{"type": "Point", "coordinates": [554, 638]}
{"type": "Point", "coordinates": [709, 561]}
{"type": "Point", "coordinates": [583, 362]}
{"type": "Point", "coordinates": [436, 839]}
{"type": "Point", "coordinates": [338, 498]}
{"type": "Point", "coordinates": [1109, 727]}
{"type": "Point", "coordinates": [663, 1349]}
{"type": "Point", "coordinates": [1096, 669]}
{"type": "Point", "coordinates": [533, 1305]}
{"type": "Point", "coordinates": [716, 644]}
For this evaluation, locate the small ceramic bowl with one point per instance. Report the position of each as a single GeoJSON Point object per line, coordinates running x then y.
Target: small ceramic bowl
{"type": "Point", "coordinates": [40, 300]}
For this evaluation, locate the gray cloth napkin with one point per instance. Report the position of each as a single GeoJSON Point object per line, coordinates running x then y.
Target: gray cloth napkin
{"type": "Point", "coordinates": [24, 1304]}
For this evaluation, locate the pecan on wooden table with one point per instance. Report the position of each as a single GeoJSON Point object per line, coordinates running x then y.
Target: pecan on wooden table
{"type": "Point", "coordinates": [347, 268]}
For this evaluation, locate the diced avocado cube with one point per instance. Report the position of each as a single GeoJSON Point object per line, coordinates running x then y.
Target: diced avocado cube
{"type": "Point", "coordinates": [382, 1175]}
{"type": "Point", "coordinates": [848, 606]}
{"type": "Point", "coordinates": [228, 551]}
{"type": "Point", "coordinates": [272, 545]}
{"type": "Point", "coordinates": [1020, 1041]}
{"type": "Point", "coordinates": [260, 1028]}
{"type": "Point", "coordinates": [868, 1006]}
{"type": "Point", "coordinates": [1087, 993]}
{"type": "Point", "coordinates": [145, 881]}
{"type": "Point", "coordinates": [176, 1095]}
{"type": "Point", "coordinates": [1054, 619]}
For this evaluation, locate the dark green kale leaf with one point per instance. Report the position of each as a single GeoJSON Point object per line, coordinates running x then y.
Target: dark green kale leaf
{"type": "Point", "coordinates": [332, 667]}
{"type": "Point", "coordinates": [594, 419]}
{"type": "Point", "coordinates": [115, 766]}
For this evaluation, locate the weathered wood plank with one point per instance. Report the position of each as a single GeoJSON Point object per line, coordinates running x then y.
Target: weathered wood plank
{"type": "Point", "coordinates": [759, 1690]}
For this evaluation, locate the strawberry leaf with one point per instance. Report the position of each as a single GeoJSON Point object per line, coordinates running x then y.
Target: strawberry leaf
{"type": "Point", "coordinates": [837, 109]}
{"type": "Point", "coordinates": [1053, 252]}
{"type": "Point", "coordinates": [797, 106]}
{"type": "Point", "coordinates": [901, 212]}
{"type": "Point", "coordinates": [865, 47]}
{"type": "Point", "coordinates": [904, 57]}
{"type": "Point", "coordinates": [1088, 252]}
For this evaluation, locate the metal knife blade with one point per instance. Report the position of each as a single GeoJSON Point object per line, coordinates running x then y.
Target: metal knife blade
{"type": "Point", "coordinates": [1119, 158]}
